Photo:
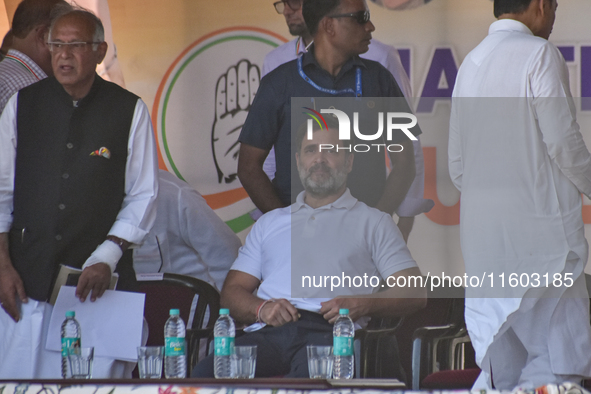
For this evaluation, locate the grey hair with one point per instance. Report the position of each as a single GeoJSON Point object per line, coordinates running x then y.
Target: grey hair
{"type": "Point", "coordinates": [99, 30]}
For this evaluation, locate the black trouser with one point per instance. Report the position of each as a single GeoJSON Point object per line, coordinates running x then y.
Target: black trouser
{"type": "Point", "coordinates": [281, 351]}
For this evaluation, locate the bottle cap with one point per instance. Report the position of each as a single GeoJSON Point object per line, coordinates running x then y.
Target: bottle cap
{"type": "Point", "coordinates": [224, 311]}
{"type": "Point", "coordinates": [174, 312]}
{"type": "Point", "coordinates": [70, 313]}
{"type": "Point", "coordinates": [343, 311]}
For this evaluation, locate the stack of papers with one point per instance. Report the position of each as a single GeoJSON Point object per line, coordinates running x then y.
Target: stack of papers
{"type": "Point", "coordinates": [112, 324]}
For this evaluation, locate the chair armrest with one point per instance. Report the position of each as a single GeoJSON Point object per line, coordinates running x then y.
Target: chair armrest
{"type": "Point", "coordinates": [429, 333]}
{"type": "Point", "coordinates": [384, 326]}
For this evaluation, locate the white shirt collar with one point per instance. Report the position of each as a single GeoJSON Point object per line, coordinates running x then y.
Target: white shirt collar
{"type": "Point", "coordinates": [346, 201]}
{"type": "Point", "coordinates": [509, 25]}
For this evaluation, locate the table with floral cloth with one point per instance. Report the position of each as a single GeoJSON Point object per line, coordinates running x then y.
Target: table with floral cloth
{"type": "Point", "coordinates": [192, 388]}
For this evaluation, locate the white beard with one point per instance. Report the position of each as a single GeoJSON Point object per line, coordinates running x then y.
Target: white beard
{"type": "Point", "coordinates": [326, 187]}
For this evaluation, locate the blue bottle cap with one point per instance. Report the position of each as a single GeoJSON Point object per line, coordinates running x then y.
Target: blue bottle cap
{"type": "Point", "coordinates": [224, 311]}
{"type": "Point", "coordinates": [343, 311]}
{"type": "Point", "coordinates": [174, 312]}
{"type": "Point", "coordinates": [70, 313]}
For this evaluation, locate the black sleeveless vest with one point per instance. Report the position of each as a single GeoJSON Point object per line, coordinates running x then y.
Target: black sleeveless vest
{"type": "Point", "coordinates": [68, 189]}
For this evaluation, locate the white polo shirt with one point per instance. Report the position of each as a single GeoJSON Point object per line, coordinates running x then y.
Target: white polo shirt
{"type": "Point", "coordinates": [345, 238]}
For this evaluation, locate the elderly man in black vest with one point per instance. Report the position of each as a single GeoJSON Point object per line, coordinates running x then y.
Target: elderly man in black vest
{"type": "Point", "coordinates": [77, 189]}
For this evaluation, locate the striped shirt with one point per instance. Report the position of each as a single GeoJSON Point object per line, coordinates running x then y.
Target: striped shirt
{"type": "Point", "coordinates": [17, 71]}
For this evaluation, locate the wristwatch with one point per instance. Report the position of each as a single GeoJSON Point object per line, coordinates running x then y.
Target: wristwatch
{"type": "Point", "coordinates": [119, 241]}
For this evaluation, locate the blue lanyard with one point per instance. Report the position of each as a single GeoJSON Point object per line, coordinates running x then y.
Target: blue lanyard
{"type": "Point", "coordinates": [357, 92]}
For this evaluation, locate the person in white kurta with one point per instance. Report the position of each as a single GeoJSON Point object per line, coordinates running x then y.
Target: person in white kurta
{"type": "Point", "coordinates": [519, 160]}
{"type": "Point", "coordinates": [188, 237]}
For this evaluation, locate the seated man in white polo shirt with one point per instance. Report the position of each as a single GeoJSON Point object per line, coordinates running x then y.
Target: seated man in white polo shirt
{"type": "Point", "coordinates": [325, 233]}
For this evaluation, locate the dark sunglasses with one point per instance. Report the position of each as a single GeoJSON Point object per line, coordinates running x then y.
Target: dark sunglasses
{"type": "Point", "coordinates": [294, 5]}
{"type": "Point", "coordinates": [362, 17]}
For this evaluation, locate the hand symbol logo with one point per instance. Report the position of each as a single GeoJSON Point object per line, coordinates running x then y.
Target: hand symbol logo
{"type": "Point", "coordinates": [235, 91]}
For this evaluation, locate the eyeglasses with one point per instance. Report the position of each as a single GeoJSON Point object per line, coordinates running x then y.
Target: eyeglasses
{"type": "Point", "coordinates": [294, 5]}
{"type": "Point", "coordinates": [76, 47]}
{"type": "Point", "coordinates": [362, 17]}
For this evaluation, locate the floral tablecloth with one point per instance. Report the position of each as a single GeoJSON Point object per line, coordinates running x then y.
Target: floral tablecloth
{"type": "Point", "coordinates": [36, 388]}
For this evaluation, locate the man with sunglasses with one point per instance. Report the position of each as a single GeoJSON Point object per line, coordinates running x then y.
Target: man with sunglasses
{"type": "Point", "coordinates": [413, 203]}
{"type": "Point", "coordinates": [78, 187]}
{"type": "Point", "coordinates": [341, 31]}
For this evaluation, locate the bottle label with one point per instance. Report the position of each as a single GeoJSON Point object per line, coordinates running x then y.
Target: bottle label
{"type": "Point", "coordinates": [174, 346]}
{"type": "Point", "coordinates": [68, 343]}
{"type": "Point", "coordinates": [343, 346]}
{"type": "Point", "coordinates": [223, 346]}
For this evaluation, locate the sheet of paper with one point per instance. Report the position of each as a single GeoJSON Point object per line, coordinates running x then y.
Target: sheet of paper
{"type": "Point", "coordinates": [112, 324]}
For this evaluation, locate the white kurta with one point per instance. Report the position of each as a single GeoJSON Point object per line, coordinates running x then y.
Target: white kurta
{"type": "Point", "coordinates": [519, 160]}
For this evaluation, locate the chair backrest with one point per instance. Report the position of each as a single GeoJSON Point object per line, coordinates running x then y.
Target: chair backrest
{"type": "Point", "coordinates": [378, 355]}
{"type": "Point", "coordinates": [175, 291]}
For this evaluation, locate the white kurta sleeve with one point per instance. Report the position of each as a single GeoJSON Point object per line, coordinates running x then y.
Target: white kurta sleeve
{"type": "Point", "coordinates": [7, 163]}
{"type": "Point", "coordinates": [556, 115]}
{"type": "Point", "coordinates": [138, 211]}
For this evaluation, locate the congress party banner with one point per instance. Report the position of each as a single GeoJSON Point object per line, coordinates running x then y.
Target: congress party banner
{"type": "Point", "coordinates": [200, 107]}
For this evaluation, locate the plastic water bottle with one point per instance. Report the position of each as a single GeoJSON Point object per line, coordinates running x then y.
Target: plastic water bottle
{"type": "Point", "coordinates": [343, 336]}
{"type": "Point", "coordinates": [70, 333]}
{"type": "Point", "coordinates": [175, 358]}
{"type": "Point", "coordinates": [224, 332]}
